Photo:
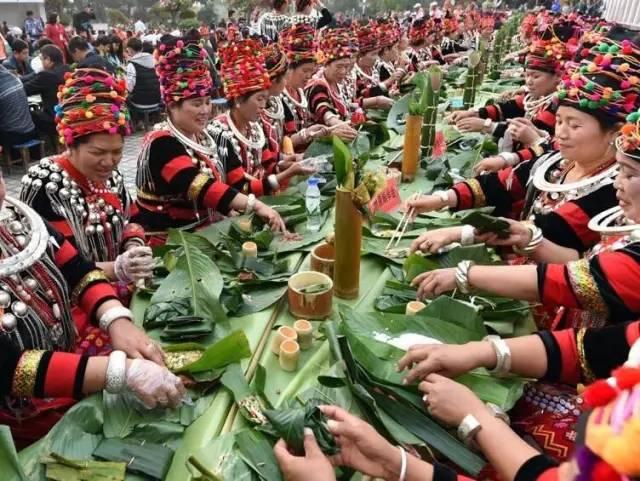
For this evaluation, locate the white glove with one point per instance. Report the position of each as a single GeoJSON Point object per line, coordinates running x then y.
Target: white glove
{"type": "Point", "coordinates": [154, 385]}
{"type": "Point", "coordinates": [134, 264]}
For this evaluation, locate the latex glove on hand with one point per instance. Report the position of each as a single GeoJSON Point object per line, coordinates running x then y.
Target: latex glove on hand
{"type": "Point", "coordinates": [313, 466]}
{"type": "Point", "coordinates": [154, 385]}
{"type": "Point", "coordinates": [134, 264]}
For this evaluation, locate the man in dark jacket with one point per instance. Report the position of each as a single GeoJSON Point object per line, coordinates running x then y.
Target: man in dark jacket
{"type": "Point", "coordinates": [81, 53]}
{"type": "Point", "coordinates": [20, 62]}
{"type": "Point", "coordinates": [45, 84]}
{"type": "Point", "coordinates": [142, 81]}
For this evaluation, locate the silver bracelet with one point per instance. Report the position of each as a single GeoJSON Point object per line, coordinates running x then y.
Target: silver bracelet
{"type": "Point", "coordinates": [498, 413]}
{"type": "Point", "coordinates": [467, 237]}
{"type": "Point", "coordinates": [534, 243]}
{"type": "Point", "coordinates": [462, 276]}
{"type": "Point", "coordinates": [112, 314]}
{"type": "Point", "coordinates": [403, 465]}
{"type": "Point", "coordinates": [116, 375]}
{"type": "Point", "coordinates": [468, 430]}
{"type": "Point", "coordinates": [503, 356]}
{"type": "Point", "coordinates": [251, 203]}
{"type": "Point", "coordinates": [510, 158]}
{"type": "Point", "coordinates": [273, 182]}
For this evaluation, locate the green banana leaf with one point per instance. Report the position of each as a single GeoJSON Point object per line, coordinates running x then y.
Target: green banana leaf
{"type": "Point", "coordinates": [150, 459]}
{"type": "Point", "coordinates": [241, 301]}
{"type": "Point", "coordinates": [230, 349]}
{"type": "Point", "coordinates": [218, 461]}
{"type": "Point", "coordinates": [9, 462]}
{"type": "Point", "coordinates": [59, 468]}
{"type": "Point", "coordinates": [342, 163]}
{"type": "Point", "coordinates": [396, 120]}
{"type": "Point", "coordinates": [485, 223]}
{"type": "Point", "coordinates": [416, 264]}
{"type": "Point", "coordinates": [256, 450]}
{"type": "Point", "coordinates": [319, 147]}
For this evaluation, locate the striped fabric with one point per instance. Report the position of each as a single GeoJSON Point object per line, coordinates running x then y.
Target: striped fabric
{"type": "Point", "coordinates": [14, 108]}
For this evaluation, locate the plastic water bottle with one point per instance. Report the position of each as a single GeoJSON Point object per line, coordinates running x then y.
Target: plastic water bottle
{"type": "Point", "coordinates": [312, 203]}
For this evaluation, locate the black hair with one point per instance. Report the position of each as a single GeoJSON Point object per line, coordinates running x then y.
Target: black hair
{"type": "Point", "coordinates": [29, 12]}
{"type": "Point", "coordinates": [42, 42]}
{"type": "Point", "coordinates": [293, 65]}
{"type": "Point", "coordinates": [78, 43]}
{"type": "Point", "coordinates": [277, 77]}
{"type": "Point", "coordinates": [19, 45]}
{"type": "Point", "coordinates": [278, 4]}
{"type": "Point", "coordinates": [53, 53]}
{"type": "Point", "coordinates": [301, 5]}
{"type": "Point", "coordinates": [52, 18]}
{"type": "Point", "coordinates": [103, 40]}
{"type": "Point", "coordinates": [147, 47]}
{"type": "Point", "coordinates": [192, 35]}
{"type": "Point", "coordinates": [134, 44]}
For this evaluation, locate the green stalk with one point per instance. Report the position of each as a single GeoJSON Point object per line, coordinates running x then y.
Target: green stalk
{"type": "Point", "coordinates": [311, 368]}
{"type": "Point", "coordinates": [434, 82]}
{"type": "Point", "coordinates": [469, 95]}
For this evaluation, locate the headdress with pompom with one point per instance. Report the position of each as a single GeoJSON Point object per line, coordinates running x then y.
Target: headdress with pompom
{"type": "Point", "coordinates": [389, 33]}
{"type": "Point", "coordinates": [368, 37]}
{"type": "Point", "coordinates": [628, 142]}
{"type": "Point", "coordinates": [546, 56]}
{"type": "Point", "coordinates": [607, 83]}
{"type": "Point", "coordinates": [275, 60]}
{"type": "Point", "coordinates": [299, 43]}
{"type": "Point", "coordinates": [243, 68]}
{"type": "Point", "coordinates": [419, 30]}
{"type": "Point", "coordinates": [183, 70]}
{"type": "Point", "coordinates": [337, 43]}
{"type": "Point", "coordinates": [91, 101]}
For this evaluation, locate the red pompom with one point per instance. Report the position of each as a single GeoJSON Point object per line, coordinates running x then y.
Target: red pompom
{"type": "Point", "coordinates": [603, 471]}
{"type": "Point", "coordinates": [599, 393]}
{"type": "Point", "coordinates": [627, 377]}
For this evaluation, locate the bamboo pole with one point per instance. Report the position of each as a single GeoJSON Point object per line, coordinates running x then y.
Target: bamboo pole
{"type": "Point", "coordinates": [348, 242]}
{"type": "Point", "coordinates": [434, 82]}
{"type": "Point", "coordinates": [471, 83]}
{"type": "Point", "coordinates": [411, 150]}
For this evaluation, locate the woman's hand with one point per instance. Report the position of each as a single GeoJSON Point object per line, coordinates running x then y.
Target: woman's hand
{"type": "Point", "coordinates": [523, 130]}
{"type": "Point", "coordinates": [154, 385]}
{"type": "Point", "coordinates": [296, 168]}
{"type": "Point", "coordinates": [424, 203]}
{"type": "Point", "coordinates": [432, 284]}
{"type": "Point", "coordinates": [317, 131]}
{"type": "Point", "coordinates": [313, 466]}
{"type": "Point", "coordinates": [126, 336]}
{"type": "Point", "coordinates": [361, 447]}
{"type": "Point", "coordinates": [448, 400]}
{"type": "Point", "coordinates": [470, 124]}
{"type": "Point", "coordinates": [490, 164]}
{"type": "Point", "coordinates": [450, 360]}
{"type": "Point", "coordinates": [458, 115]}
{"type": "Point", "coordinates": [270, 216]}
{"type": "Point", "coordinates": [431, 242]}
{"type": "Point", "coordinates": [519, 236]}
{"type": "Point", "coordinates": [344, 131]}
{"type": "Point", "coordinates": [134, 264]}
{"type": "Point", "coordinates": [383, 102]}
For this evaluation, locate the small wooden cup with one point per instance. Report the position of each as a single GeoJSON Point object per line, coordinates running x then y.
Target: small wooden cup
{"type": "Point", "coordinates": [283, 333]}
{"type": "Point", "coordinates": [317, 305]}
{"type": "Point", "coordinates": [323, 259]}
{"type": "Point", "coordinates": [289, 355]}
{"type": "Point", "coordinates": [414, 307]}
{"type": "Point", "coordinates": [304, 330]}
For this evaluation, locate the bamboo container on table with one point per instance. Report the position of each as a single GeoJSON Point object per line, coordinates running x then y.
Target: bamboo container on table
{"type": "Point", "coordinates": [428, 137]}
{"type": "Point", "coordinates": [304, 330]}
{"type": "Point", "coordinates": [411, 150]}
{"type": "Point", "coordinates": [250, 249]}
{"type": "Point", "coordinates": [471, 83]}
{"type": "Point", "coordinates": [414, 307]}
{"type": "Point", "coordinates": [284, 333]}
{"type": "Point", "coordinates": [348, 242]}
{"type": "Point", "coordinates": [289, 355]}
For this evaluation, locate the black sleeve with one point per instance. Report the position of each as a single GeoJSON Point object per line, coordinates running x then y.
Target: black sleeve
{"type": "Point", "coordinates": [534, 467]}
{"type": "Point", "coordinates": [35, 84]}
{"type": "Point", "coordinates": [325, 19]}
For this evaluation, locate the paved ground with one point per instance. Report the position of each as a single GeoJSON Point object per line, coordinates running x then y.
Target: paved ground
{"type": "Point", "coordinates": [132, 146]}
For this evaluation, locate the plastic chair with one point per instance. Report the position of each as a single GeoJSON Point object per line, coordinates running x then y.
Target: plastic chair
{"type": "Point", "coordinates": [25, 154]}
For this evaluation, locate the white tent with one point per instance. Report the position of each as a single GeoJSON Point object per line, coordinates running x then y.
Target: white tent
{"type": "Point", "coordinates": [626, 12]}
{"type": "Point", "coordinates": [15, 11]}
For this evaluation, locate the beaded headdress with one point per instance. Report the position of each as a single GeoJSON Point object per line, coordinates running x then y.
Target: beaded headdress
{"type": "Point", "coordinates": [628, 142]}
{"type": "Point", "coordinates": [389, 32]}
{"type": "Point", "coordinates": [299, 43]}
{"type": "Point", "coordinates": [337, 43]}
{"type": "Point", "coordinates": [368, 37]}
{"type": "Point", "coordinates": [91, 101]}
{"type": "Point", "coordinates": [275, 60]}
{"type": "Point", "coordinates": [607, 83]}
{"type": "Point", "coordinates": [610, 451]}
{"type": "Point", "coordinates": [546, 56]}
{"type": "Point", "coordinates": [419, 30]}
{"type": "Point", "coordinates": [183, 71]}
{"type": "Point", "coordinates": [243, 68]}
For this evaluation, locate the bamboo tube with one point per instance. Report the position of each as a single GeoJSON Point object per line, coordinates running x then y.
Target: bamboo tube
{"type": "Point", "coordinates": [244, 225]}
{"type": "Point", "coordinates": [284, 333]}
{"type": "Point", "coordinates": [250, 249]}
{"type": "Point", "coordinates": [470, 86]}
{"type": "Point", "coordinates": [414, 307]}
{"type": "Point", "coordinates": [304, 330]}
{"type": "Point", "coordinates": [411, 151]}
{"type": "Point", "coordinates": [348, 242]}
{"type": "Point", "coordinates": [289, 355]}
{"type": "Point", "coordinates": [434, 81]}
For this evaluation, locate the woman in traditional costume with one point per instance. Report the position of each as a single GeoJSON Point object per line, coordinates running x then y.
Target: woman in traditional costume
{"type": "Point", "coordinates": [301, 49]}
{"type": "Point", "coordinates": [569, 186]}
{"type": "Point", "coordinates": [240, 135]}
{"type": "Point", "coordinates": [271, 23]}
{"type": "Point", "coordinates": [419, 51]}
{"type": "Point", "coordinates": [47, 360]}
{"type": "Point", "coordinates": [272, 115]}
{"type": "Point", "coordinates": [526, 123]}
{"type": "Point", "coordinates": [182, 181]}
{"type": "Point", "coordinates": [81, 192]}
{"type": "Point", "coordinates": [370, 92]}
{"type": "Point", "coordinates": [387, 66]}
{"type": "Point", "coordinates": [328, 104]}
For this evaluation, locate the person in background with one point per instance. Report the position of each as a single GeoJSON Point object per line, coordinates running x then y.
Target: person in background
{"type": "Point", "coordinates": [55, 31]}
{"type": "Point", "coordinates": [116, 51]}
{"type": "Point", "coordinates": [16, 125]}
{"type": "Point", "coordinates": [307, 12]}
{"type": "Point", "coordinates": [82, 22]}
{"type": "Point", "coordinates": [33, 27]}
{"type": "Point", "coordinates": [142, 81]}
{"type": "Point", "coordinates": [139, 27]}
{"type": "Point", "coordinates": [81, 53]}
{"type": "Point", "coordinates": [20, 62]}
{"type": "Point", "coordinates": [4, 28]}
{"type": "Point", "coordinates": [271, 23]}
{"type": "Point", "coordinates": [45, 84]}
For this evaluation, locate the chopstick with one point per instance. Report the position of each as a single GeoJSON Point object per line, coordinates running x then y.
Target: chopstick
{"type": "Point", "coordinates": [401, 228]}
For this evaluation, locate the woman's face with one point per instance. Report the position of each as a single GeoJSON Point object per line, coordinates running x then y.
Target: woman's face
{"type": "Point", "coordinates": [390, 54]}
{"type": "Point", "coordinates": [540, 83]}
{"type": "Point", "coordinates": [368, 60]}
{"type": "Point", "coordinates": [277, 85]}
{"type": "Point", "coordinates": [191, 115]}
{"type": "Point", "coordinates": [299, 77]}
{"type": "Point", "coordinates": [580, 138]}
{"type": "Point", "coordinates": [98, 157]}
{"type": "Point", "coordinates": [251, 108]}
{"type": "Point", "coordinates": [627, 186]}
{"type": "Point", "coordinates": [338, 70]}
{"type": "Point", "coordinates": [404, 43]}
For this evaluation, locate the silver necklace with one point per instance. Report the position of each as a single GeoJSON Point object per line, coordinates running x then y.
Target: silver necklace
{"type": "Point", "coordinates": [275, 102]}
{"type": "Point", "coordinates": [192, 144]}
{"type": "Point", "coordinates": [613, 221]}
{"type": "Point", "coordinates": [256, 132]}
{"type": "Point", "coordinates": [541, 183]}
{"type": "Point", "coordinates": [533, 107]}
{"type": "Point", "coordinates": [304, 102]}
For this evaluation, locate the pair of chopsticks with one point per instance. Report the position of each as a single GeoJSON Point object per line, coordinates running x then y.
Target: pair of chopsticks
{"type": "Point", "coordinates": [401, 228]}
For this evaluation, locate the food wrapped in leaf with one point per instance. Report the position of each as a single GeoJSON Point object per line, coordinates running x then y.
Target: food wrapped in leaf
{"type": "Point", "coordinates": [160, 313]}
{"type": "Point", "coordinates": [485, 223]}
